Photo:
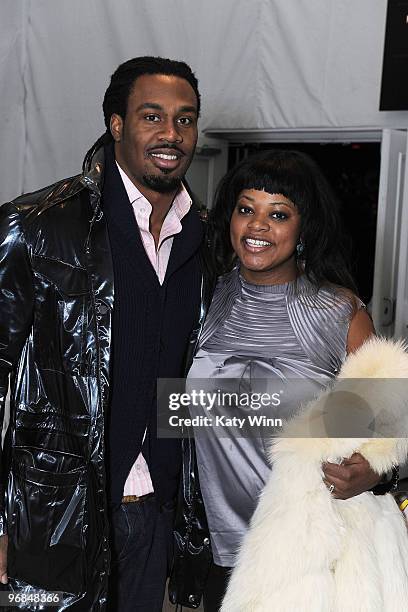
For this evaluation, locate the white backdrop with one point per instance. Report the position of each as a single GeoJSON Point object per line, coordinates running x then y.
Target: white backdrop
{"type": "Point", "coordinates": [260, 64]}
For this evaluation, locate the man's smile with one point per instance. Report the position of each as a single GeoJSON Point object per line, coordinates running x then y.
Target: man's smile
{"type": "Point", "coordinates": [165, 158]}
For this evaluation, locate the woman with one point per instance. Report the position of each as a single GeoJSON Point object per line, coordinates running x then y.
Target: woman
{"type": "Point", "coordinates": [284, 308]}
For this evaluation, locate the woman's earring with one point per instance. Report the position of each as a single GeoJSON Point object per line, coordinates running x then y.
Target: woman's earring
{"type": "Point", "coordinates": [300, 247]}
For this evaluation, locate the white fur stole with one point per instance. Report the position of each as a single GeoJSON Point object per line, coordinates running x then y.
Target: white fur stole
{"type": "Point", "coordinates": [308, 552]}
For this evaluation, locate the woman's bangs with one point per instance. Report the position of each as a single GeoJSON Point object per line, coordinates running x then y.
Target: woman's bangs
{"type": "Point", "coordinates": [272, 178]}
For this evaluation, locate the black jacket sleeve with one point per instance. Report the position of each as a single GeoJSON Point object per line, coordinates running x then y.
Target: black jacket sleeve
{"type": "Point", "coordinates": [16, 310]}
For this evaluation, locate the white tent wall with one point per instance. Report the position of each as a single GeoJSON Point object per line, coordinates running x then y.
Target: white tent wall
{"type": "Point", "coordinates": [261, 64]}
{"type": "Point", "coordinates": [12, 97]}
{"type": "Point", "coordinates": [321, 63]}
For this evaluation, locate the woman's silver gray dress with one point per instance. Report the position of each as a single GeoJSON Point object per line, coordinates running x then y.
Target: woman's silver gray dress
{"type": "Point", "coordinates": [287, 338]}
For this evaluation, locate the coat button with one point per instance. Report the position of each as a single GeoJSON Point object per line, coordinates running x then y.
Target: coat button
{"type": "Point", "coordinates": [206, 541]}
{"type": "Point", "coordinates": [102, 308]}
{"type": "Point", "coordinates": [191, 598]}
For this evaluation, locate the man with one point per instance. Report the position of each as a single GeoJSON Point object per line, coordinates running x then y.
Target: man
{"type": "Point", "coordinates": [100, 289]}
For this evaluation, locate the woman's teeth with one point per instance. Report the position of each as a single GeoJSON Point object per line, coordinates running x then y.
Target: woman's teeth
{"type": "Point", "coordinates": [253, 242]}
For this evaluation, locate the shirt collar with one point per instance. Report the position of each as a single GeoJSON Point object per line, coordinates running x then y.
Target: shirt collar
{"type": "Point", "coordinates": [131, 189]}
{"type": "Point", "coordinates": [181, 203]}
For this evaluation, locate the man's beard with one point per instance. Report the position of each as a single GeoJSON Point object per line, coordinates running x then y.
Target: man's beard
{"type": "Point", "coordinates": [162, 184]}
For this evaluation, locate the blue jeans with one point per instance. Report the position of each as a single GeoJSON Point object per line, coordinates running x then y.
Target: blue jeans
{"type": "Point", "coordinates": [142, 547]}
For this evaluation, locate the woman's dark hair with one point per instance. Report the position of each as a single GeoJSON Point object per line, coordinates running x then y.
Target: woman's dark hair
{"type": "Point", "coordinates": [296, 176]}
{"type": "Point", "coordinates": [121, 85]}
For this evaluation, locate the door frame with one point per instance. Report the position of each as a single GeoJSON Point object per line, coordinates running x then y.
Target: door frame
{"type": "Point", "coordinates": [336, 136]}
{"type": "Point", "coordinates": [325, 135]}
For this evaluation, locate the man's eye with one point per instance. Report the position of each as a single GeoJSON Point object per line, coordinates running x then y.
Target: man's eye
{"type": "Point", "coordinates": [152, 117]}
{"type": "Point", "coordinates": [185, 121]}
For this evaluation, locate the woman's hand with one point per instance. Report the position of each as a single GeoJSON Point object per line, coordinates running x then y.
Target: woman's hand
{"type": "Point", "coordinates": [352, 477]}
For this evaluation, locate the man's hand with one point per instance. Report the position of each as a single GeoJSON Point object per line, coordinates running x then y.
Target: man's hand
{"type": "Point", "coordinates": [352, 477]}
{"type": "Point", "coordinates": [3, 559]}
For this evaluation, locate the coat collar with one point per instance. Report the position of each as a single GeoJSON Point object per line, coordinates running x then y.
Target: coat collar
{"type": "Point", "coordinates": [119, 212]}
{"type": "Point", "coordinates": [93, 178]}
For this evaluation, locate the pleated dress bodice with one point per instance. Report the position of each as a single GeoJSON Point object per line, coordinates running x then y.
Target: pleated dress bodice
{"type": "Point", "coordinates": [288, 338]}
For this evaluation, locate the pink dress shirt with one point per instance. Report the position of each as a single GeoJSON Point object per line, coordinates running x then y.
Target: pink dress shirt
{"type": "Point", "coordinates": [139, 482]}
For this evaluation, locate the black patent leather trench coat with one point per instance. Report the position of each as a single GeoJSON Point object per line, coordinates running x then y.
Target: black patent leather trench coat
{"type": "Point", "coordinates": [192, 547]}
{"type": "Point", "coordinates": [56, 299]}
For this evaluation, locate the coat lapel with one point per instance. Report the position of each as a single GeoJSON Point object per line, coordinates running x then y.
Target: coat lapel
{"type": "Point", "coordinates": [118, 209]}
{"type": "Point", "coordinates": [187, 242]}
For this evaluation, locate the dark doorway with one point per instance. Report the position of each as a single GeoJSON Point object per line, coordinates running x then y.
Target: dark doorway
{"type": "Point", "coordinates": [353, 170]}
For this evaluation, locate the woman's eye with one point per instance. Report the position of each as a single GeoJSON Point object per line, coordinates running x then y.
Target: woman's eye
{"type": "Point", "coordinates": [244, 210]}
{"type": "Point", "coordinates": [279, 216]}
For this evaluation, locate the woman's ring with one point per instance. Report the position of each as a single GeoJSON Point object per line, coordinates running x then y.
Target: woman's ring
{"type": "Point", "coordinates": [331, 488]}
